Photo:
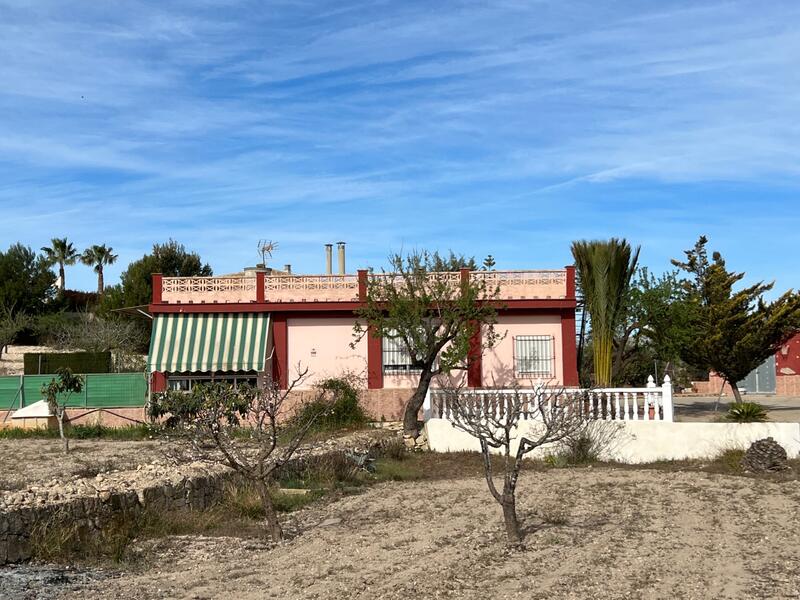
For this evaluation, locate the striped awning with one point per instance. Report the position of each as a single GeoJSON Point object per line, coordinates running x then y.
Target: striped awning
{"type": "Point", "coordinates": [208, 342]}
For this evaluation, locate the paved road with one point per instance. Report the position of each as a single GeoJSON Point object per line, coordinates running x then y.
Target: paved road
{"type": "Point", "coordinates": [701, 408]}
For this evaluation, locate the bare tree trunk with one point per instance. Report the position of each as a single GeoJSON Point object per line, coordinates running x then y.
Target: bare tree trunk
{"type": "Point", "coordinates": [64, 439]}
{"type": "Point", "coordinates": [410, 416]}
{"type": "Point", "coordinates": [509, 505]}
{"type": "Point", "coordinates": [62, 275]}
{"type": "Point", "coordinates": [100, 284]}
{"type": "Point", "coordinates": [271, 522]}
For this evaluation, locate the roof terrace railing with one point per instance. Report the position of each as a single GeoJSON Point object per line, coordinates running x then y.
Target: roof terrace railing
{"type": "Point", "coordinates": [513, 285]}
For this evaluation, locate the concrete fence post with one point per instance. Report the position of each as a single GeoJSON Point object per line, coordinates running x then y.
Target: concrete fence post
{"type": "Point", "coordinates": [666, 398]}
{"type": "Point", "coordinates": [649, 399]}
{"type": "Point", "coordinates": [426, 405]}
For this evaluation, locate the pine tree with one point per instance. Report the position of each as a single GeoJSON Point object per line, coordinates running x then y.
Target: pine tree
{"type": "Point", "coordinates": [734, 331]}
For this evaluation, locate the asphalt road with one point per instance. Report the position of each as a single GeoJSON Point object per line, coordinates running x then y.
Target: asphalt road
{"type": "Point", "coordinates": [701, 408]}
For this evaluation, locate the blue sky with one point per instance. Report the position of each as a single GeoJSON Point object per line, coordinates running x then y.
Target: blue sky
{"type": "Point", "coordinates": [503, 127]}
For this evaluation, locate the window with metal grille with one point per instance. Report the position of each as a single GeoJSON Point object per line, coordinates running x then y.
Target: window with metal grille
{"type": "Point", "coordinates": [534, 356]}
{"type": "Point", "coordinates": [395, 356]}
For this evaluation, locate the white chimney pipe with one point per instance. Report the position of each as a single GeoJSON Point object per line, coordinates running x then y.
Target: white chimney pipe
{"type": "Point", "coordinates": [328, 259]}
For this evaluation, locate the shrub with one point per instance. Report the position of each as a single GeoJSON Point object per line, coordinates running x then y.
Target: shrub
{"type": "Point", "coordinates": [392, 448]}
{"type": "Point", "coordinates": [318, 471]}
{"type": "Point", "coordinates": [746, 412]}
{"type": "Point", "coordinates": [344, 412]}
{"type": "Point", "coordinates": [585, 446]}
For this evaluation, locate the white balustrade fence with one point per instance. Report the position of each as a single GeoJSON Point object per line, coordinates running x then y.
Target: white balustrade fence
{"type": "Point", "coordinates": [650, 403]}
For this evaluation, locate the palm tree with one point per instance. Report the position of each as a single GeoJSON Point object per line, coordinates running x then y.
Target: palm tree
{"type": "Point", "coordinates": [97, 257]}
{"type": "Point", "coordinates": [604, 270]}
{"type": "Point", "coordinates": [62, 253]}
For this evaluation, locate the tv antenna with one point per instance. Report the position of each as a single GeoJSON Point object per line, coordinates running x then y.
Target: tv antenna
{"type": "Point", "coordinates": [265, 250]}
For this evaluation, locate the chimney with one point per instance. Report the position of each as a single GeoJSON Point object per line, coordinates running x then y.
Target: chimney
{"type": "Point", "coordinates": [288, 269]}
{"type": "Point", "coordinates": [328, 259]}
{"type": "Point", "coordinates": [341, 257]}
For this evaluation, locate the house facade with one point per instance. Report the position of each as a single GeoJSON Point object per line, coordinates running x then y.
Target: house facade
{"type": "Point", "coordinates": [239, 328]}
{"type": "Point", "coordinates": [778, 375]}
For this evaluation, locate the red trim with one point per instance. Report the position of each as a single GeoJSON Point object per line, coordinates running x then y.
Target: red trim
{"type": "Point", "coordinates": [280, 358]}
{"type": "Point", "coordinates": [259, 286]}
{"type": "Point", "coordinates": [362, 285]}
{"type": "Point", "coordinates": [158, 383]}
{"type": "Point", "coordinates": [475, 360]}
{"type": "Point", "coordinates": [157, 283]}
{"type": "Point", "coordinates": [374, 360]}
{"type": "Point", "coordinates": [464, 276]}
{"type": "Point", "coordinates": [569, 350]}
{"type": "Point", "coordinates": [570, 281]}
{"type": "Point", "coordinates": [503, 307]}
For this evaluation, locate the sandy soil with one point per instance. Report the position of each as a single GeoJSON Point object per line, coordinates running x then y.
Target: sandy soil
{"type": "Point", "coordinates": [594, 533]}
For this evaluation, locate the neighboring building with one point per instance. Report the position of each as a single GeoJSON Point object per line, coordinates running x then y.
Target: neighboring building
{"type": "Point", "coordinates": [779, 375]}
{"type": "Point", "coordinates": [239, 327]}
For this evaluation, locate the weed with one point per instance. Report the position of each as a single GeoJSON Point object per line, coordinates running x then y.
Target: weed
{"type": "Point", "coordinates": [730, 460]}
{"type": "Point", "coordinates": [286, 502]}
{"type": "Point", "coordinates": [83, 432]}
{"type": "Point", "coordinates": [390, 469]}
{"type": "Point", "coordinates": [392, 448]}
{"type": "Point", "coordinates": [318, 471]}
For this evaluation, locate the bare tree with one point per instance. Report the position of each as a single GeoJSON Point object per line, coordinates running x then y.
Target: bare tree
{"type": "Point", "coordinates": [513, 424]}
{"type": "Point", "coordinates": [57, 394]}
{"type": "Point", "coordinates": [11, 324]}
{"type": "Point", "coordinates": [251, 430]}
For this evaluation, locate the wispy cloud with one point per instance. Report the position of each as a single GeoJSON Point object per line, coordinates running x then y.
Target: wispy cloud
{"type": "Point", "coordinates": [504, 127]}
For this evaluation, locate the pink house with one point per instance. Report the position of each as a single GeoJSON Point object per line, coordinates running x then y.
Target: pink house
{"type": "Point", "coordinates": [241, 326]}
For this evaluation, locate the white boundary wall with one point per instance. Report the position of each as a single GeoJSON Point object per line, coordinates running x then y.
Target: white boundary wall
{"type": "Point", "coordinates": [642, 441]}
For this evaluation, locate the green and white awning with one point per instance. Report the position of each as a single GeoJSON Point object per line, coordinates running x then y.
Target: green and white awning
{"type": "Point", "coordinates": [208, 342]}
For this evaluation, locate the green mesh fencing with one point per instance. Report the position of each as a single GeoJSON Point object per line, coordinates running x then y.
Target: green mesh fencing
{"type": "Point", "coordinates": [78, 362]}
{"type": "Point", "coordinates": [100, 390]}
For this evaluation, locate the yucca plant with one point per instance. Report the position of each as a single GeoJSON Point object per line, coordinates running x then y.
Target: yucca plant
{"type": "Point", "coordinates": [747, 412]}
{"type": "Point", "coordinates": [604, 270]}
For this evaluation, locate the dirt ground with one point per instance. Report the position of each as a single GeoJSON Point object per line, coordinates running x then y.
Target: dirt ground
{"type": "Point", "coordinates": [32, 461]}
{"type": "Point", "coordinates": [593, 533]}
{"type": "Point", "coordinates": [701, 408]}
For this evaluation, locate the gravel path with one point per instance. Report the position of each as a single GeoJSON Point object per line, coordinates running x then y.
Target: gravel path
{"type": "Point", "coordinates": [595, 533]}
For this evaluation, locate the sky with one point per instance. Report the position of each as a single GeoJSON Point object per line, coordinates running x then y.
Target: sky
{"type": "Point", "coordinates": [502, 127]}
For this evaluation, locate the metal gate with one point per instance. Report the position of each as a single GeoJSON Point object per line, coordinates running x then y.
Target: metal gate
{"type": "Point", "coordinates": [762, 380]}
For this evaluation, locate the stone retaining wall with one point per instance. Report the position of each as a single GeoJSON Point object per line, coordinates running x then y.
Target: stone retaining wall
{"type": "Point", "coordinates": [91, 503]}
{"type": "Point", "coordinates": [94, 513]}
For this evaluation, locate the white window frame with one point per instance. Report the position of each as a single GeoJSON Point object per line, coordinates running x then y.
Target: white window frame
{"type": "Point", "coordinates": [526, 363]}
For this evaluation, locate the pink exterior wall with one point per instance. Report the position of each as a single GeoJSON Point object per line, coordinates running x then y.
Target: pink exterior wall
{"type": "Point", "coordinates": [498, 363]}
{"type": "Point", "coordinates": [323, 345]}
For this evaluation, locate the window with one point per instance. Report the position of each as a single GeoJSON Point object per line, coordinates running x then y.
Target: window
{"type": "Point", "coordinates": [185, 383]}
{"type": "Point", "coordinates": [395, 356]}
{"type": "Point", "coordinates": [533, 355]}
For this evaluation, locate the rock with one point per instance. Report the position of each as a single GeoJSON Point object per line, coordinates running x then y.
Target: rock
{"type": "Point", "coordinates": [765, 455]}
{"type": "Point", "coordinates": [330, 522]}
{"type": "Point", "coordinates": [409, 441]}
